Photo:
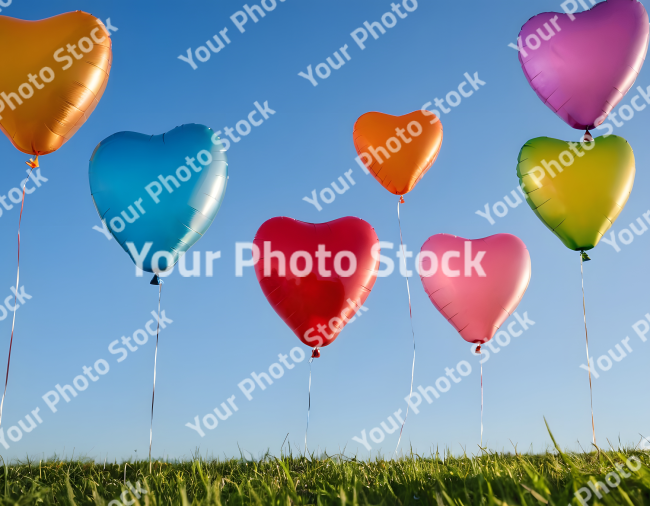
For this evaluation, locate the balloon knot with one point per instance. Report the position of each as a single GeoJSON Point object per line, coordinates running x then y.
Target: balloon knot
{"type": "Point", "coordinates": [156, 280]}
{"type": "Point", "coordinates": [584, 256]}
{"type": "Point", "coordinates": [401, 199]}
{"type": "Point", "coordinates": [587, 137]}
{"type": "Point", "coordinates": [33, 163]}
{"type": "Point", "coordinates": [315, 353]}
{"type": "Point", "coordinates": [478, 350]}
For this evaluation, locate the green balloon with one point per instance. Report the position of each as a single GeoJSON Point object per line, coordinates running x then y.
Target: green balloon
{"type": "Point", "coordinates": [577, 189]}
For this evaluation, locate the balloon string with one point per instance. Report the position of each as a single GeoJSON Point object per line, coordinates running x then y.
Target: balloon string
{"type": "Point", "coordinates": [408, 291]}
{"type": "Point", "coordinates": [584, 314]}
{"type": "Point", "coordinates": [13, 323]}
{"type": "Point", "coordinates": [481, 403]}
{"type": "Point", "coordinates": [309, 404]}
{"type": "Point", "coordinates": [155, 360]}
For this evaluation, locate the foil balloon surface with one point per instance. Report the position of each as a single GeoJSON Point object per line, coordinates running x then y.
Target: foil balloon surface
{"type": "Point", "coordinates": [398, 150]}
{"type": "Point", "coordinates": [316, 276]}
{"type": "Point", "coordinates": [54, 72]}
{"type": "Point", "coordinates": [475, 284]}
{"type": "Point", "coordinates": [159, 194]}
{"type": "Point", "coordinates": [581, 65]}
{"type": "Point", "coordinates": [577, 190]}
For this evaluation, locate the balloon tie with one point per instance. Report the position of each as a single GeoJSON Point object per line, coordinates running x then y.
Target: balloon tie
{"type": "Point", "coordinates": [13, 323]}
{"type": "Point", "coordinates": [584, 314]}
{"type": "Point", "coordinates": [33, 163]}
{"type": "Point", "coordinates": [401, 199]}
{"type": "Point", "coordinates": [587, 137]}
{"type": "Point", "coordinates": [408, 291]}
{"type": "Point", "coordinates": [478, 350]}
{"type": "Point", "coordinates": [155, 281]}
{"type": "Point", "coordinates": [314, 354]}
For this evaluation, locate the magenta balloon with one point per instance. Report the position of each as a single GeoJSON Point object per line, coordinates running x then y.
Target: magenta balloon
{"type": "Point", "coordinates": [581, 65]}
{"type": "Point", "coordinates": [475, 300]}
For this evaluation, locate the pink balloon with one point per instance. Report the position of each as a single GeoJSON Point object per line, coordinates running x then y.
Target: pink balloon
{"type": "Point", "coordinates": [581, 65]}
{"type": "Point", "coordinates": [477, 283]}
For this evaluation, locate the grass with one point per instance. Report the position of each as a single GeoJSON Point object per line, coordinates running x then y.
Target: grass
{"type": "Point", "coordinates": [487, 479]}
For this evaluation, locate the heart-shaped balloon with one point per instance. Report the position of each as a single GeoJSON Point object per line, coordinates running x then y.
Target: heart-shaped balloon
{"type": "Point", "coordinates": [158, 194]}
{"type": "Point", "coordinates": [54, 71]}
{"type": "Point", "coordinates": [582, 65]}
{"type": "Point", "coordinates": [475, 284]}
{"type": "Point", "coordinates": [577, 190]}
{"type": "Point", "coordinates": [316, 302]}
{"type": "Point", "coordinates": [398, 150]}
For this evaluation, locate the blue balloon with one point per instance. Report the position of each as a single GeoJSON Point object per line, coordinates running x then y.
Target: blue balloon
{"type": "Point", "coordinates": [158, 194]}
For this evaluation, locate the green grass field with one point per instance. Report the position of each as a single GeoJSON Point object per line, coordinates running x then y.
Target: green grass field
{"type": "Point", "coordinates": [488, 479]}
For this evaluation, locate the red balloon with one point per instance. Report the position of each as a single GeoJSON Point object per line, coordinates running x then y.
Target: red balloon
{"type": "Point", "coordinates": [316, 301]}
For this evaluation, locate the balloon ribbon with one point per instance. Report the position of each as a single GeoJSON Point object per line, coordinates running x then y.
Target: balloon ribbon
{"type": "Point", "coordinates": [481, 398]}
{"type": "Point", "coordinates": [585, 258]}
{"type": "Point", "coordinates": [33, 164]}
{"type": "Point", "coordinates": [478, 352]}
{"type": "Point", "coordinates": [314, 354]}
{"type": "Point", "coordinates": [155, 281]}
{"type": "Point", "coordinates": [408, 291]}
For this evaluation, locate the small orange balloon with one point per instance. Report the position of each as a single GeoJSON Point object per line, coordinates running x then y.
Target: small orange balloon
{"type": "Point", "coordinates": [398, 150]}
{"type": "Point", "coordinates": [54, 71]}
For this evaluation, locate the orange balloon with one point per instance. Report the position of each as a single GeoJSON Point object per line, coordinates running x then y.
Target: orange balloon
{"type": "Point", "coordinates": [398, 150]}
{"type": "Point", "coordinates": [54, 71]}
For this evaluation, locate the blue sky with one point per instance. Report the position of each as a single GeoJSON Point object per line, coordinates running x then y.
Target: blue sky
{"type": "Point", "coordinates": [85, 294]}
